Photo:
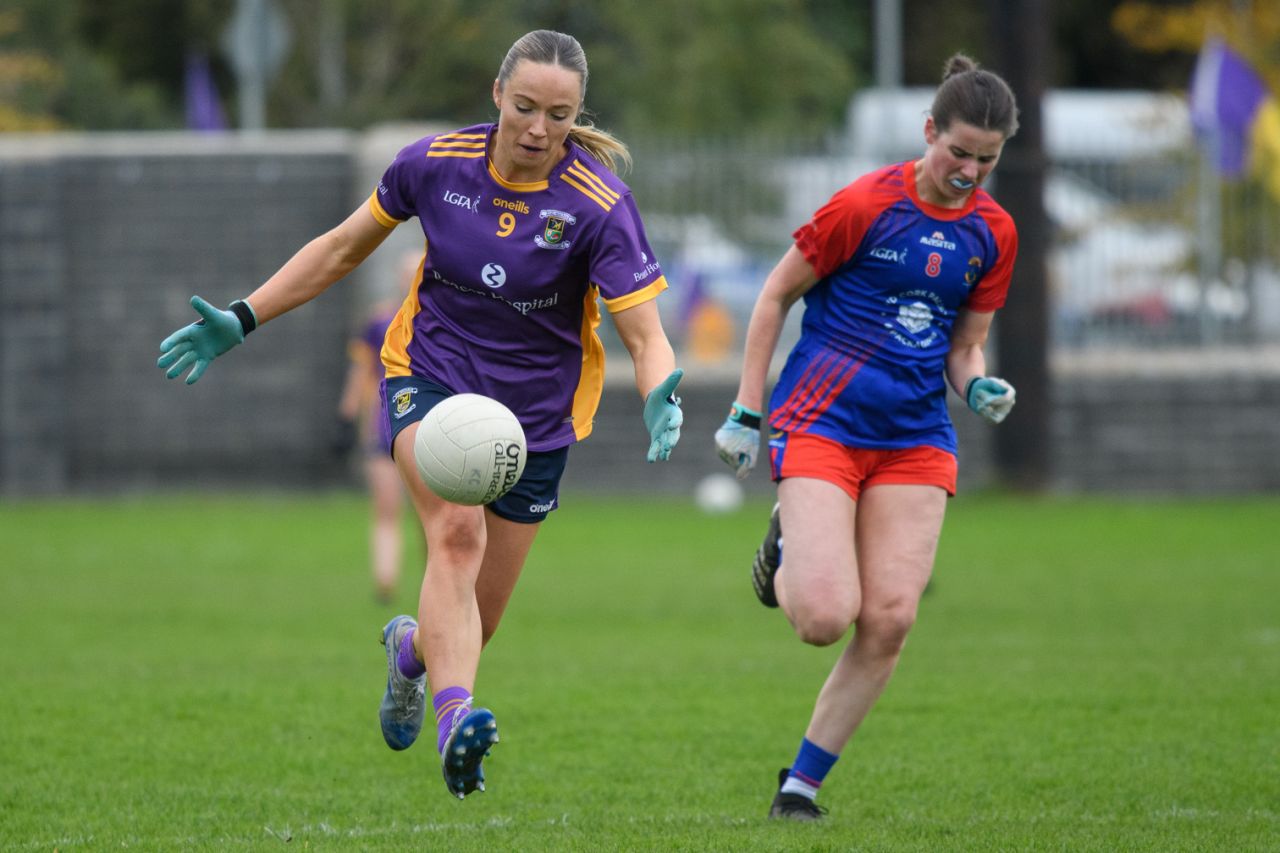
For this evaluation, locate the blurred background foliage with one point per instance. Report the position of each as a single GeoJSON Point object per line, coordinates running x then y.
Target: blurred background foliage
{"type": "Point", "coordinates": [680, 66]}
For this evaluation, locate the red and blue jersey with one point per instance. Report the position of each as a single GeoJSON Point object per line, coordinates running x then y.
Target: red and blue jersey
{"type": "Point", "coordinates": [893, 270]}
{"type": "Point", "coordinates": [505, 303]}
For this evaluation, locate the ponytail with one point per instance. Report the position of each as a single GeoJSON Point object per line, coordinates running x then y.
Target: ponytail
{"type": "Point", "coordinates": [602, 145]}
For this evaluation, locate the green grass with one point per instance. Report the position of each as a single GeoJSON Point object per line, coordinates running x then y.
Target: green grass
{"type": "Point", "coordinates": [203, 674]}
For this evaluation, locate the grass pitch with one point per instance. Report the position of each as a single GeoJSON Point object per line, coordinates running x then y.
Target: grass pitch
{"type": "Point", "coordinates": [204, 674]}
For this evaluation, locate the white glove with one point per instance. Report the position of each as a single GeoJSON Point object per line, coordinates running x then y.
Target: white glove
{"type": "Point", "coordinates": [738, 439]}
{"type": "Point", "coordinates": [990, 396]}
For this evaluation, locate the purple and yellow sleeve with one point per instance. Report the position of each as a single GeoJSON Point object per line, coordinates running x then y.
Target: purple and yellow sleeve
{"type": "Point", "coordinates": [392, 202]}
{"type": "Point", "coordinates": [386, 220]}
{"type": "Point", "coordinates": [623, 266]}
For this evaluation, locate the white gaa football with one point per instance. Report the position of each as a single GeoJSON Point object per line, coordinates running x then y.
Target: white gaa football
{"type": "Point", "coordinates": [470, 449]}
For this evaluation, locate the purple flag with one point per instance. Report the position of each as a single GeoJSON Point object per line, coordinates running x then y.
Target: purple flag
{"type": "Point", "coordinates": [1226, 94]}
{"type": "Point", "coordinates": [204, 109]}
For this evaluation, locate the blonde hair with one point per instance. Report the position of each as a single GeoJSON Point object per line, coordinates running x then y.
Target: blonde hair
{"type": "Point", "coordinates": [548, 47]}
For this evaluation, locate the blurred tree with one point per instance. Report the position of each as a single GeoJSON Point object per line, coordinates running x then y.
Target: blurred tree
{"type": "Point", "coordinates": [26, 74]}
{"type": "Point", "coordinates": [148, 40]}
{"type": "Point", "coordinates": [678, 66]}
{"type": "Point", "coordinates": [404, 60]}
{"type": "Point", "coordinates": [710, 66]}
{"type": "Point", "coordinates": [1089, 46]}
{"type": "Point", "coordinates": [50, 79]}
{"type": "Point", "coordinates": [938, 28]}
{"type": "Point", "coordinates": [666, 66]}
{"type": "Point", "coordinates": [1094, 52]}
{"type": "Point", "coordinates": [1252, 28]}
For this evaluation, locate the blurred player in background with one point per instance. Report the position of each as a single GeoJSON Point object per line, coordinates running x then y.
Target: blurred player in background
{"type": "Point", "coordinates": [360, 417]}
{"type": "Point", "coordinates": [527, 228]}
{"type": "Point", "coordinates": [901, 273]}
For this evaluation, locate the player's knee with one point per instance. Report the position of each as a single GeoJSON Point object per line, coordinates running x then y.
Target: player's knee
{"type": "Point", "coordinates": [818, 632]}
{"type": "Point", "coordinates": [887, 625]}
{"type": "Point", "coordinates": [822, 623]}
{"type": "Point", "coordinates": [460, 537]}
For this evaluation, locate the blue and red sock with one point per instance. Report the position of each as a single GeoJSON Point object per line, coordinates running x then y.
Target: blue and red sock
{"type": "Point", "coordinates": [810, 768]}
{"type": "Point", "coordinates": [447, 702]}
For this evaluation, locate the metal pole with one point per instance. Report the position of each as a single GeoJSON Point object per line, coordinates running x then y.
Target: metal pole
{"type": "Point", "coordinates": [1209, 224]}
{"type": "Point", "coordinates": [888, 58]}
{"type": "Point", "coordinates": [888, 48]}
{"type": "Point", "coordinates": [253, 85]}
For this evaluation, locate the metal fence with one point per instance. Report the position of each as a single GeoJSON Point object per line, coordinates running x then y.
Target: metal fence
{"type": "Point", "coordinates": [1150, 248]}
{"type": "Point", "coordinates": [104, 237]}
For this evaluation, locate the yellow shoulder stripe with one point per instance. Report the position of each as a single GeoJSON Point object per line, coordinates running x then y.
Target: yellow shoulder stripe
{"type": "Point", "coordinates": [634, 298]}
{"type": "Point", "coordinates": [468, 145]}
{"type": "Point", "coordinates": [582, 188]}
{"type": "Point", "coordinates": [386, 220]}
{"type": "Point", "coordinates": [590, 178]}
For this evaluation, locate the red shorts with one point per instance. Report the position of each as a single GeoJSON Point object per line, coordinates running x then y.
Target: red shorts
{"type": "Point", "coordinates": [854, 469]}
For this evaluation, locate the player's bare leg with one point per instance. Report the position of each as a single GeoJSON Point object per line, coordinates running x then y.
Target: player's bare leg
{"type": "Point", "coordinates": [817, 584]}
{"type": "Point", "coordinates": [504, 556]}
{"type": "Point", "coordinates": [897, 537]}
{"type": "Point", "coordinates": [863, 564]}
{"type": "Point", "coordinates": [386, 497]}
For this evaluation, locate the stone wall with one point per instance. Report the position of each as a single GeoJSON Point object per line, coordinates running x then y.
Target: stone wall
{"type": "Point", "coordinates": [103, 240]}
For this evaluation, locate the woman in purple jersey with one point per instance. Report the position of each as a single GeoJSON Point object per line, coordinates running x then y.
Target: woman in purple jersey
{"type": "Point", "coordinates": [360, 415]}
{"type": "Point", "coordinates": [901, 273]}
{"type": "Point", "coordinates": [527, 231]}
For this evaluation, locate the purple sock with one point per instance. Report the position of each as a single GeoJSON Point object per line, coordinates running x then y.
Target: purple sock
{"type": "Point", "coordinates": [446, 703]}
{"type": "Point", "coordinates": [408, 664]}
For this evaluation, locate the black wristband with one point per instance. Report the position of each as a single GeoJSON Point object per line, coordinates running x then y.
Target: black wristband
{"type": "Point", "coordinates": [742, 416]}
{"type": "Point", "coordinates": [244, 314]}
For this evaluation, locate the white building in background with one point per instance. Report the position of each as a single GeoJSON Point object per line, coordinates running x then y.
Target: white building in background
{"type": "Point", "coordinates": [1117, 192]}
{"type": "Point", "coordinates": [1078, 124]}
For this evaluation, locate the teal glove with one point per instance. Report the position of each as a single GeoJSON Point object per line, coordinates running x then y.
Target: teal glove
{"type": "Point", "coordinates": [197, 345]}
{"type": "Point", "coordinates": [663, 418]}
{"type": "Point", "coordinates": [738, 439]}
{"type": "Point", "coordinates": [990, 397]}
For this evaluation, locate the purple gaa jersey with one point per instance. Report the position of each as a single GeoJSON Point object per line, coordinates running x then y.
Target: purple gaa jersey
{"type": "Point", "coordinates": [366, 349]}
{"type": "Point", "coordinates": [893, 271]}
{"type": "Point", "coordinates": [505, 302]}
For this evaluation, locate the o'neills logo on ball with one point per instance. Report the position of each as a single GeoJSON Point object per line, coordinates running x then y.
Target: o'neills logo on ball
{"type": "Point", "coordinates": [506, 465]}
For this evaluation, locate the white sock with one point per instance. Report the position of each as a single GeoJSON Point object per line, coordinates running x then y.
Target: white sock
{"type": "Point", "coordinates": [796, 785]}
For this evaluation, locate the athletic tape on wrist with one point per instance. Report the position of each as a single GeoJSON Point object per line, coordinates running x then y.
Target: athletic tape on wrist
{"type": "Point", "coordinates": [741, 414]}
{"type": "Point", "coordinates": [248, 322]}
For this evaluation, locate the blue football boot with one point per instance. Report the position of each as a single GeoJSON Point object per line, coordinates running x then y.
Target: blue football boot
{"type": "Point", "coordinates": [467, 745]}
{"type": "Point", "coordinates": [404, 704]}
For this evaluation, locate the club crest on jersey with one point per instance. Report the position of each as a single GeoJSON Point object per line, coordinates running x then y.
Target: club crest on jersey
{"type": "Point", "coordinates": [974, 272]}
{"type": "Point", "coordinates": [402, 402]}
{"type": "Point", "coordinates": [556, 223]}
{"type": "Point", "coordinates": [914, 318]}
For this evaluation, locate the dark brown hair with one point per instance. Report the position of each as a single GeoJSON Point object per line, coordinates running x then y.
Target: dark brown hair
{"type": "Point", "coordinates": [974, 96]}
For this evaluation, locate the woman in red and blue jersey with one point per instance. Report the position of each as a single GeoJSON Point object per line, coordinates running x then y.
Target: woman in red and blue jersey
{"type": "Point", "coordinates": [901, 273]}
{"type": "Point", "coordinates": [527, 229]}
